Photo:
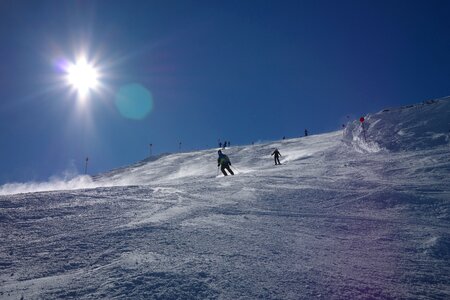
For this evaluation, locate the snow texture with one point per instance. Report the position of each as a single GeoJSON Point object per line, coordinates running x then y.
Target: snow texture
{"type": "Point", "coordinates": [343, 218]}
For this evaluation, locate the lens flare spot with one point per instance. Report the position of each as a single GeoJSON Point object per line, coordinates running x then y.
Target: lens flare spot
{"type": "Point", "coordinates": [134, 101]}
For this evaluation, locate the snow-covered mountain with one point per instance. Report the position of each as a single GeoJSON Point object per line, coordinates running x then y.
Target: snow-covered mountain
{"type": "Point", "coordinates": [349, 215]}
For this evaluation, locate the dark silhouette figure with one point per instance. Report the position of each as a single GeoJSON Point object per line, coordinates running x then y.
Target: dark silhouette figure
{"type": "Point", "coordinates": [220, 144]}
{"type": "Point", "coordinates": [306, 132]}
{"type": "Point", "coordinates": [224, 162]}
{"type": "Point", "coordinates": [276, 155]}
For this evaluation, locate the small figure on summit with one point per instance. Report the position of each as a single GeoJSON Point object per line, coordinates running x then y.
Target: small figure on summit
{"type": "Point", "coordinates": [276, 155]}
{"type": "Point", "coordinates": [224, 162]}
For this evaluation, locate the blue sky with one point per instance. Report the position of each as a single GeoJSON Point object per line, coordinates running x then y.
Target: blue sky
{"type": "Point", "coordinates": [242, 71]}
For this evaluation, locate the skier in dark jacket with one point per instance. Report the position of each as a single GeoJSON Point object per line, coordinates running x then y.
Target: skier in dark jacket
{"type": "Point", "coordinates": [276, 154]}
{"type": "Point", "coordinates": [224, 162]}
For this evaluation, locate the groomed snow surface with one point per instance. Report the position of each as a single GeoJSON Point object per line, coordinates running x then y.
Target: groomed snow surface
{"type": "Point", "coordinates": [342, 218]}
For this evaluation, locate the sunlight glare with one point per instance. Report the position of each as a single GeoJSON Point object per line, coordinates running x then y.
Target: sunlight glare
{"type": "Point", "coordinates": [82, 76]}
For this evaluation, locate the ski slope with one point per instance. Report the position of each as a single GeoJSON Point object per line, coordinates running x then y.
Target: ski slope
{"type": "Point", "coordinates": [342, 218]}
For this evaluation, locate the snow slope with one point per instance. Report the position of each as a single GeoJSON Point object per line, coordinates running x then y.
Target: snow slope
{"type": "Point", "coordinates": [342, 218]}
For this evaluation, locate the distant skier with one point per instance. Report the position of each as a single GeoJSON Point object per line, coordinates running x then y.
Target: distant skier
{"type": "Point", "coordinates": [306, 132]}
{"type": "Point", "coordinates": [276, 155]}
{"type": "Point", "coordinates": [224, 162]}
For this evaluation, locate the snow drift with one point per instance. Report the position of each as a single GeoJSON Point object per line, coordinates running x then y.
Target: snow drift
{"type": "Point", "coordinates": [412, 127]}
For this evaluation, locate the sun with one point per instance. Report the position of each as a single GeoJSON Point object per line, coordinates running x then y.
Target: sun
{"type": "Point", "coordinates": [82, 76]}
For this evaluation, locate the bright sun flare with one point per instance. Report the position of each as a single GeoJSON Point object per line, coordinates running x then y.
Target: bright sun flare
{"type": "Point", "coordinates": [82, 76]}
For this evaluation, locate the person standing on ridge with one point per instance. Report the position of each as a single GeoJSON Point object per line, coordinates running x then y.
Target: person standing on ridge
{"type": "Point", "coordinates": [276, 155]}
{"type": "Point", "coordinates": [224, 162]}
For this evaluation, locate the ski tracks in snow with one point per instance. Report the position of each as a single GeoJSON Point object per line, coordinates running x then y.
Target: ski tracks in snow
{"type": "Point", "coordinates": [332, 223]}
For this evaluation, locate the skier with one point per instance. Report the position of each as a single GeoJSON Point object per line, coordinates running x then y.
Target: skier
{"type": "Point", "coordinates": [306, 132]}
{"type": "Point", "coordinates": [224, 162]}
{"type": "Point", "coordinates": [276, 154]}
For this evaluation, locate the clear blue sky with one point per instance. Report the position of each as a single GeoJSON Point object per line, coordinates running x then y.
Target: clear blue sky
{"type": "Point", "coordinates": [237, 70]}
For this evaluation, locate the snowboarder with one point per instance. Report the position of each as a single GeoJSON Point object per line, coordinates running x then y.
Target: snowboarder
{"type": "Point", "coordinates": [224, 162]}
{"type": "Point", "coordinates": [276, 155]}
